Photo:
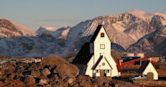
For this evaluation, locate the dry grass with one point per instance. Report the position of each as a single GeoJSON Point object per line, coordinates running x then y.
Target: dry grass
{"type": "Point", "coordinates": [146, 83]}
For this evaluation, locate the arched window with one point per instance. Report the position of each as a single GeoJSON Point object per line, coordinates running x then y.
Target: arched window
{"type": "Point", "coordinates": [102, 35]}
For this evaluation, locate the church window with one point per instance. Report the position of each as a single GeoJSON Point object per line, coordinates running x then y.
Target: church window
{"type": "Point", "coordinates": [97, 71]}
{"type": "Point", "coordinates": [103, 63]}
{"type": "Point", "coordinates": [102, 35]}
{"type": "Point", "coordinates": [104, 71]}
{"type": "Point", "coordinates": [102, 46]}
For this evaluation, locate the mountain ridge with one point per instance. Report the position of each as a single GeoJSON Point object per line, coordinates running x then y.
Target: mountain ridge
{"type": "Point", "coordinates": [128, 31]}
{"type": "Point", "coordinates": [10, 28]}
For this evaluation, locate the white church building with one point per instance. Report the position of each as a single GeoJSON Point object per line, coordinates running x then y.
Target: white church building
{"type": "Point", "coordinates": [94, 59]}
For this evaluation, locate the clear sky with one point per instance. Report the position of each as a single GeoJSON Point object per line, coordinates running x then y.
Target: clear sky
{"type": "Point", "coordinates": [36, 13]}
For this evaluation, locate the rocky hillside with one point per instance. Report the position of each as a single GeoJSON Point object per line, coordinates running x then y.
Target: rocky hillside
{"type": "Point", "coordinates": [17, 40]}
{"type": "Point", "coordinates": [53, 71]}
{"type": "Point", "coordinates": [135, 31]}
{"type": "Point", "coordinates": [124, 29]}
{"type": "Point", "coordinates": [153, 43]}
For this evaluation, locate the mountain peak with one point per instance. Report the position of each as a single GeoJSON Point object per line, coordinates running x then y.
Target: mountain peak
{"type": "Point", "coordinates": [48, 28]}
{"type": "Point", "coordinates": [140, 14]}
{"type": "Point", "coordinates": [129, 31]}
{"type": "Point", "coordinates": [160, 14]}
{"type": "Point", "coordinates": [137, 11]}
{"type": "Point", "coordinates": [10, 28]}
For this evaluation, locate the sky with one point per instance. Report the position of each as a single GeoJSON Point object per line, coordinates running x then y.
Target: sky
{"type": "Point", "coordinates": [58, 13]}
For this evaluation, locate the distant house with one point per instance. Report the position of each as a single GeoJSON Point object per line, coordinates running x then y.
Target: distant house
{"type": "Point", "coordinates": [148, 70]}
{"type": "Point", "coordinates": [94, 58]}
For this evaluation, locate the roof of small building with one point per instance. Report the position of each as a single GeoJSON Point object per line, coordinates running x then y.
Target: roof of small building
{"type": "Point", "coordinates": [143, 66]}
{"type": "Point", "coordinates": [128, 59]}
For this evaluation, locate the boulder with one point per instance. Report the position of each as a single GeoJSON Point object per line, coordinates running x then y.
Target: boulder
{"type": "Point", "coordinates": [46, 72]}
{"type": "Point", "coordinates": [64, 68]}
{"type": "Point", "coordinates": [30, 81]}
{"type": "Point", "coordinates": [43, 82]}
{"type": "Point", "coordinates": [14, 83]}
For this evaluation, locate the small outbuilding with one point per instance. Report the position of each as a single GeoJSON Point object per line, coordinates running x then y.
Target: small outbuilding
{"type": "Point", "coordinates": [147, 69]}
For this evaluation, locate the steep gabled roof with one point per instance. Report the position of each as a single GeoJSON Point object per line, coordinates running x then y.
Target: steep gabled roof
{"type": "Point", "coordinates": [143, 66]}
{"type": "Point", "coordinates": [96, 33]}
{"type": "Point", "coordinates": [98, 61]}
{"type": "Point", "coordinates": [83, 55]}
{"type": "Point", "coordinates": [108, 62]}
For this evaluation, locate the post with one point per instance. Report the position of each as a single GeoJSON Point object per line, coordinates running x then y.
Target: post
{"type": "Point", "coordinates": [140, 61]}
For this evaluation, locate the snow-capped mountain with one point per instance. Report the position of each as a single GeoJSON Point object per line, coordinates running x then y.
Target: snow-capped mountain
{"type": "Point", "coordinates": [124, 30]}
{"type": "Point", "coordinates": [59, 33]}
{"type": "Point", "coordinates": [19, 41]}
{"type": "Point", "coordinates": [45, 29]}
{"type": "Point", "coordinates": [10, 29]}
{"type": "Point", "coordinates": [153, 43]}
{"type": "Point", "coordinates": [135, 31]}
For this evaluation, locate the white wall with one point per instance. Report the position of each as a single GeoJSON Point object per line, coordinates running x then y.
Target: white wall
{"type": "Point", "coordinates": [100, 66]}
{"type": "Point", "coordinates": [89, 67]}
{"type": "Point", "coordinates": [150, 68]}
{"type": "Point", "coordinates": [102, 40]}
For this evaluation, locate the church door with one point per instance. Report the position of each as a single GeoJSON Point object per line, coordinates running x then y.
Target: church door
{"type": "Point", "coordinates": [102, 73]}
{"type": "Point", "coordinates": [150, 76]}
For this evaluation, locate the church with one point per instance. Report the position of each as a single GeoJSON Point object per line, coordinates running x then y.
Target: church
{"type": "Point", "coordinates": [94, 58]}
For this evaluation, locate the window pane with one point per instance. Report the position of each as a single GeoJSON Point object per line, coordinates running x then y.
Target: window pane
{"type": "Point", "coordinates": [102, 34]}
{"type": "Point", "coordinates": [102, 46]}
